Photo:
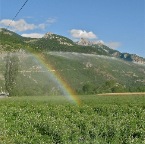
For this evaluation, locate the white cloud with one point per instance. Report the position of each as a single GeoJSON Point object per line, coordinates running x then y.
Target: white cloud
{"type": "Point", "coordinates": [33, 35]}
{"type": "Point", "coordinates": [113, 45]}
{"type": "Point", "coordinates": [82, 34]}
{"type": "Point", "coordinates": [20, 25]}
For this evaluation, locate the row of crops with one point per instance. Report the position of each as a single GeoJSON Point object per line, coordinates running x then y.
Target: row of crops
{"type": "Point", "coordinates": [53, 120]}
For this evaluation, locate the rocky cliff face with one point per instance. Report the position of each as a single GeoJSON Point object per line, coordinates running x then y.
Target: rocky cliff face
{"type": "Point", "coordinates": [137, 59]}
{"type": "Point", "coordinates": [129, 57]}
{"type": "Point", "coordinates": [48, 35]}
{"type": "Point", "coordinates": [86, 42]}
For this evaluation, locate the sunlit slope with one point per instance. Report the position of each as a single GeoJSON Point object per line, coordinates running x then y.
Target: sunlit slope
{"type": "Point", "coordinates": [88, 68]}
{"type": "Point", "coordinates": [35, 76]}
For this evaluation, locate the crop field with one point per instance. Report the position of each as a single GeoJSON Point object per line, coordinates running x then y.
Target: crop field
{"type": "Point", "coordinates": [54, 120]}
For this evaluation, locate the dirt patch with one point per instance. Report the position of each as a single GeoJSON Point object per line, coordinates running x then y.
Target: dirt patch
{"type": "Point", "coordinates": [135, 93]}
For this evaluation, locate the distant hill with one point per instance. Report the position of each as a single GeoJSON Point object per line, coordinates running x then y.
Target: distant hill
{"type": "Point", "coordinates": [86, 69]}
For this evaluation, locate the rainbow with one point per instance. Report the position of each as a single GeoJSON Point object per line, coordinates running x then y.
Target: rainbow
{"type": "Point", "coordinates": [67, 90]}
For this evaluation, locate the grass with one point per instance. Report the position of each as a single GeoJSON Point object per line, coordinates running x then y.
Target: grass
{"type": "Point", "coordinates": [50, 120]}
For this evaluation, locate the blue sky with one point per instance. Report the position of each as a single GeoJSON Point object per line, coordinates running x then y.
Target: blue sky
{"type": "Point", "coordinates": [119, 24]}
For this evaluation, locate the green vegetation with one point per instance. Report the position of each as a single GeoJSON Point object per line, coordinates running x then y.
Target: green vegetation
{"type": "Point", "coordinates": [86, 69]}
{"type": "Point", "coordinates": [91, 74]}
{"type": "Point", "coordinates": [10, 41]}
{"type": "Point", "coordinates": [84, 73]}
{"type": "Point", "coordinates": [99, 119]}
{"type": "Point", "coordinates": [54, 45]}
{"type": "Point", "coordinates": [32, 67]}
{"type": "Point", "coordinates": [110, 86]}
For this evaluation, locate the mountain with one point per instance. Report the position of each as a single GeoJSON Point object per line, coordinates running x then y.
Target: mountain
{"type": "Point", "coordinates": [11, 41]}
{"type": "Point", "coordinates": [84, 42]}
{"type": "Point", "coordinates": [86, 69]}
{"type": "Point", "coordinates": [55, 42]}
{"type": "Point", "coordinates": [108, 51]}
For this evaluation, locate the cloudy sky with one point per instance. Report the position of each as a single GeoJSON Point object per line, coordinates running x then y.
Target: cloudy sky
{"type": "Point", "coordinates": [120, 24]}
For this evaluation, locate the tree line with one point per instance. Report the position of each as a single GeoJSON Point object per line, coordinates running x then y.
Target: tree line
{"type": "Point", "coordinates": [110, 86]}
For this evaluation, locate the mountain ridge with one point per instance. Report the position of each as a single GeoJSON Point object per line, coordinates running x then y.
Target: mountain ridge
{"type": "Point", "coordinates": [54, 42]}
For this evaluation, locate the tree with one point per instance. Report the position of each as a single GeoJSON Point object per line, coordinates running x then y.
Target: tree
{"type": "Point", "coordinates": [12, 63]}
{"type": "Point", "coordinates": [88, 89]}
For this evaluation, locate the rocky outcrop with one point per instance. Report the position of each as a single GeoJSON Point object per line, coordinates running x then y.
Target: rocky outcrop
{"type": "Point", "coordinates": [137, 59]}
{"type": "Point", "coordinates": [129, 57]}
{"type": "Point", "coordinates": [48, 35]}
{"type": "Point", "coordinates": [61, 40]}
{"type": "Point", "coordinates": [84, 42]}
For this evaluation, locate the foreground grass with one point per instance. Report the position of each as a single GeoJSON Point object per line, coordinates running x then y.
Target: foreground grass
{"type": "Point", "coordinates": [48, 120]}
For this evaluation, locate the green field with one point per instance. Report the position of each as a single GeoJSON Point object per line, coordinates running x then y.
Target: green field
{"type": "Point", "coordinates": [53, 120]}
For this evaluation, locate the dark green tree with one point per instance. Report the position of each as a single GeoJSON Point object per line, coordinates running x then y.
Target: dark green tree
{"type": "Point", "coordinates": [11, 71]}
{"type": "Point", "coordinates": [88, 89]}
